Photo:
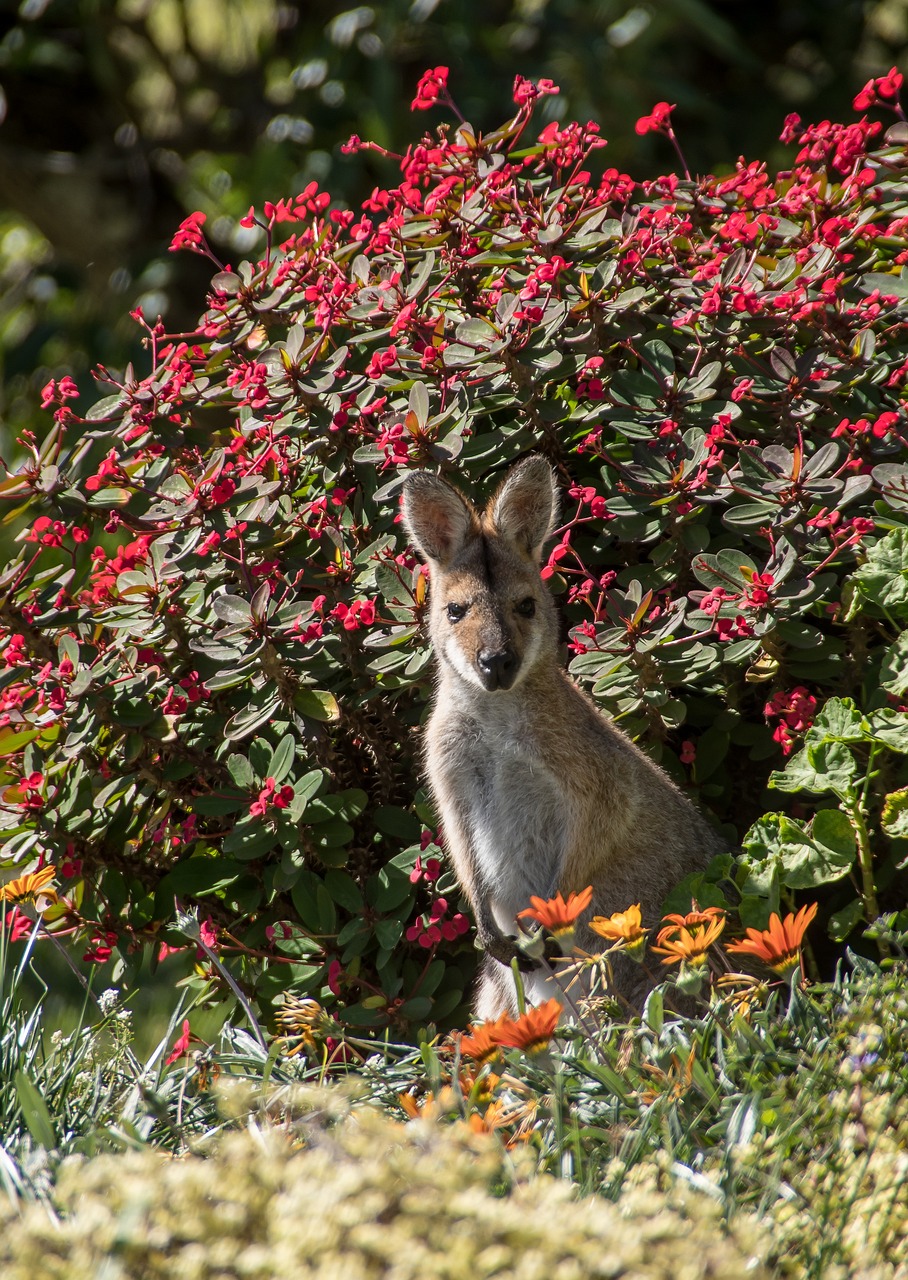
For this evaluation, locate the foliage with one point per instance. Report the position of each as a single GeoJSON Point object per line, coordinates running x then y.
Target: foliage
{"type": "Point", "coordinates": [127, 116]}
{"type": "Point", "coordinates": [215, 673]}
{"type": "Point", "coordinates": [788, 1104]}
{"type": "Point", "coordinates": [763, 1137]}
{"type": "Point", "coordinates": [67, 1091]}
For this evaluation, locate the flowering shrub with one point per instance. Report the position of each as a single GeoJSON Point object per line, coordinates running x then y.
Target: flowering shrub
{"type": "Point", "coordinates": [215, 670]}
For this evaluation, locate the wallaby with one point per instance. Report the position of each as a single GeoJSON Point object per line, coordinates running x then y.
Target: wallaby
{"type": "Point", "coordinates": [537, 791]}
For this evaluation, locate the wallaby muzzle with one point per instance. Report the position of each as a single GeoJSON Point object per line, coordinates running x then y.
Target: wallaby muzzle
{"type": "Point", "coordinates": [497, 668]}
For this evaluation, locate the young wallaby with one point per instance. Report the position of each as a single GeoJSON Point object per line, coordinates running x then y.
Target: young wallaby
{"type": "Point", "coordinates": [536, 789]}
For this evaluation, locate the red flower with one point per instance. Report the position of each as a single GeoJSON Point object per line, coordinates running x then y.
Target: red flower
{"type": "Point", "coordinates": [430, 88]}
{"type": "Point", "coordinates": [181, 1044]}
{"type": "Point", "coordinates": [888, 86]}
{"type": "Point", "coordinates": [795, 709]}
{"type": "Point", "coordinates": [381, 362]}
{"type": "Point", "coordinates": [56, 392]}
{"type": "Point", "coordinates": [658, 121]}
{"type": "Point", "coordinates": [269, 795]}
{"type": "Point", "coordinates": [741, 388]}
{"type": "Point", "coordinates": [525, 91]}
{"type": "Point", "coordinates": [189, 235]}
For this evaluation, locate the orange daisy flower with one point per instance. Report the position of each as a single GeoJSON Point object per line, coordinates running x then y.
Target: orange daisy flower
{"type": "Point", "coordinates": [32, 887]}
{"type": "Point", "coordinates": [779, 946]}
{"type": "Point", "coordinates": [689, 942]}
{"type": "Point", "coordinates": [696, 919]}
{"type": "Point", "coordinates": [623, 926]}
{"type": "Point", "coordinates": [533, 1030]}
{"type": "Point", "coordinates": [482, 1043]}
{"type": "Point", "coordinates": [555, 914]}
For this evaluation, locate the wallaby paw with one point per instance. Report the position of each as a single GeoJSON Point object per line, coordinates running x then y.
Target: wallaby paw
{"type": "Point", "coordinates": [504, 949]}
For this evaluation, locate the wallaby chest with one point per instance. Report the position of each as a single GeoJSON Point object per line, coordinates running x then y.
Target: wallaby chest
{"type": "Point", "coordinates": [513, 805]}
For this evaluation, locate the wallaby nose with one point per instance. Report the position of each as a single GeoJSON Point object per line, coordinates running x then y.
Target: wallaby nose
{"type": "Point", "coordinates": [498, 667]}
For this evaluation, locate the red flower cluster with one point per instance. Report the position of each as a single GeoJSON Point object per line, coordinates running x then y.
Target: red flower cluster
{"type": "Point", "coordinates": [879, 91]}
{"type": "Point", "coordinates": [794, 710]}
{"type": "Point", "coordinates": [270, 796]}
{"type": "Point", "coordinates": [190, 234]}
{"type": "Point", "coordinates": [430, 88]}
{"type": "Point", "coordinates": [430, 929]}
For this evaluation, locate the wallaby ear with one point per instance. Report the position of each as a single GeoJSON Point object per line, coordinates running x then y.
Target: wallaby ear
{"type": "Point", "coordinates": [437, 517]}
{"type": "Point", "coordinates": [525, 508]}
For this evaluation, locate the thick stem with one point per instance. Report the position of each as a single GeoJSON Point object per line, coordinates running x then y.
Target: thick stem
{"type": "Point", "coordinates": [858, 821]}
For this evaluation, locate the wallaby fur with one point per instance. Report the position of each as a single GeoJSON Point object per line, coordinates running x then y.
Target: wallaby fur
{"type": "Point", "coordinates": [537, 791]}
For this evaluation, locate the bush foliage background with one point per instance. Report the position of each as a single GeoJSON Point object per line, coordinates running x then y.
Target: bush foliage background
{"type": "Point", "coordinates": [128, 116]}
{"type": "Point", "coordinates": [215, 671]}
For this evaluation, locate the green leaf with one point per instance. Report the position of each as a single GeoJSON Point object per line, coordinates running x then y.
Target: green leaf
{"type": "Point", "coordinates": [843, 922]}
{"type": "Point", "coordinates": [197, 877]}
{"type": "Point", "coordinates": [780, 845]}
{"type": "Point", "coordinates": [389, 889]}
{"type": "Point", "coordinates": [806, 863]}
{"type": "Point", "coordinates": [883, 578]}
{"type": "Point", "coordinates": [888, 284]}
{"type": "Point", "coordinates": [895, 813]}
{"type": "Point", "coordinates": [35, 1112]}
{"type": "Point", "coordinates": [819, 769]}
{"type": "Point", "coordinates": [233, 609]}
{"type": "Point", "coordinates": [260, 708]}
{"type": "Point", "coordinates": [305, 899]}
{"type": "Point", "coordinates": [217, 803]}
{"type": "Point", "coordinates": [388, 932]}
{"type": "Point", "coordinates": [891, 728]}
{"type": "Point", "coordinates": [249, 841]}
{"type": "Point", "coordinates": [894, 670]}
{"type": "Point", "coordinates": [344, 890]}
{"type": "Point", "coordinates": [316, 704]}
{"type": "Point", "coordinates": [282, 758]}
{"type": "Point", "coordinates": [399, 823]}
{"type": "Point", "coordinates": [240, 771]}
{"type": "Point", "coordinates": [832, 830]}
{"type": "Point", "coordinates": [840, 721]}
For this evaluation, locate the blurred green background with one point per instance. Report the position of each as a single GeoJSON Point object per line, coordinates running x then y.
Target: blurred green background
{"type": "Point", "coordinates": [121, 116]}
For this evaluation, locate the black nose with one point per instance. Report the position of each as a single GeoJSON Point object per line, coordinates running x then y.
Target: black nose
{"type": "Point", "coordinates": [498, 667]}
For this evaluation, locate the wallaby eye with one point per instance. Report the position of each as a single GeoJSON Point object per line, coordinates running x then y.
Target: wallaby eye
{"type": "Point", "coordinates": [456, 612]}
{"type": "Point", "coordinates": [526, 608]}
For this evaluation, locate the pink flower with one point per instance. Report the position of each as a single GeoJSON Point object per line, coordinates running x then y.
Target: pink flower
{"type": "Point", "coordinates": [791, 128]}
{"type": "Point", "coordinates": [741, 388]}
{"type": "Point", "coordinates": [688, 752]}
{"type": "Point", "coordinates": [429, 89]}
{"type": "Point", "coordinates": [381, 362]}
{"type": "Point", "coordinates": [525, 91]}
{"type": "Point", "coordinates": [888, 86]}
{"type": "Point", "coordinates": [101, 948]}
{"type": "Point", "coordinates": [56, 392]}
{"type": "Point", "coordinates": [181, 1044]}
{"type": "Point", "coordinates": [189, 234]}
{"type": "Point", "coordinates": [658, 121]}
{"type": "Point", "coordinates": [209, 934]}
{"type": "Point", "coordinates": [795, 710]}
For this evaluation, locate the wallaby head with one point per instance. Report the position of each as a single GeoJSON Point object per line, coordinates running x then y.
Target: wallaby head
{"type": "Point", "coordinates": [492, 619]}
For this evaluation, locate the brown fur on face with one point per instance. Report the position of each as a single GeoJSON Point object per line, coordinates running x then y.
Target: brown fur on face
{"type": "Point", "coordinates": [536, 789]}
{"type": "Point", "coordinates": [491, 617]}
